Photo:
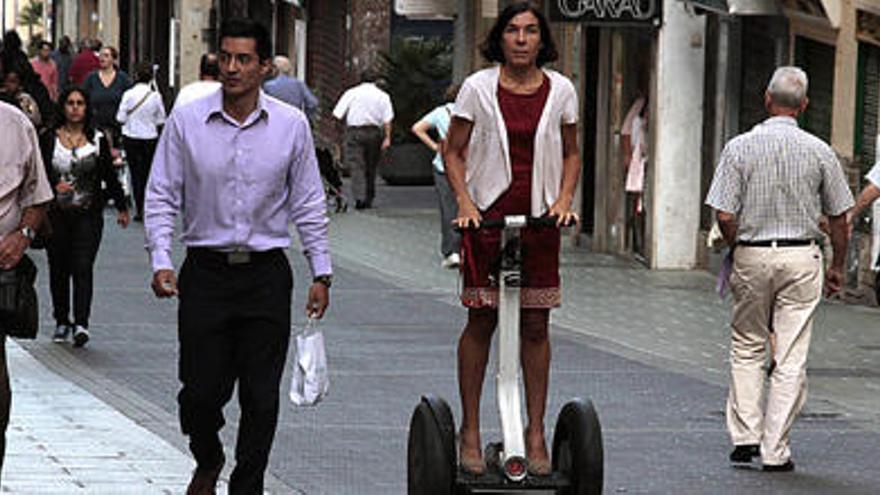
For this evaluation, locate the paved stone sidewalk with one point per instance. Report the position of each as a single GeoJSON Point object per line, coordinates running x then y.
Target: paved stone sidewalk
{"type": "Point", "coordinates": [63, 440]}
{"type": "Point", "coordinates": [672, 319]}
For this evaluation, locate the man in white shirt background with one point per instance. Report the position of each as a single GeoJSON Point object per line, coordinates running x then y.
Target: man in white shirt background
{"type": "Point", "coordinates": [209, 81]}
{"type": "Point", "coordinates": [367, 113]}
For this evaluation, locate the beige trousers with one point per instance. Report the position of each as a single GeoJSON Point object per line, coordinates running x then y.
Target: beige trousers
{"type": "Point", "coordinates": [785, 284]}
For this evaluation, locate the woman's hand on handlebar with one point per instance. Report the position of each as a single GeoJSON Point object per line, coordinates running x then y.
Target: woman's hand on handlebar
{"type": "Point", "coordinates": [468, 216]}
{"type": "Point", "coordinates": [564, 214]}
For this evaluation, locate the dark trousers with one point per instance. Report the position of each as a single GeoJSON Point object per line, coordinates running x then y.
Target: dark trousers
{"type": "Point", "coordinates": [5, 400]}
{"type": "Point", "coordinates": [363, 148]}
{"type": "Point", "coordinates": [233, 326]}
{"type": "Point", "coordinates": [139, 153]}
{"type": "Point", "coordinates": [72, 249]}
{"type": "Point", "coordinates": [450, 240]}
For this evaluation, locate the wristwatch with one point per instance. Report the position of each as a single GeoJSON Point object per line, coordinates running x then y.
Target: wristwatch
{"type": "Point", "coordinates": [324, 279]}
{"type": "Point", "coordinates": [28, 232]}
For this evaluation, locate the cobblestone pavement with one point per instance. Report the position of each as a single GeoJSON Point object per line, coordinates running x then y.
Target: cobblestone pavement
{"type": "Point", "coordinates": [649, 348]}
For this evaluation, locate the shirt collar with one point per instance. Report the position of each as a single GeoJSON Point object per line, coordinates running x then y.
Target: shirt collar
{"type": "Point", "coordinates": [781, 120]}
{"type": "Point", "coordinates": [215, 109]}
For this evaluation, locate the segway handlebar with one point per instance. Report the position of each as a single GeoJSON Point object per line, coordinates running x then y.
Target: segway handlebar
{"type": "Point", "coordinates": [515, 222]}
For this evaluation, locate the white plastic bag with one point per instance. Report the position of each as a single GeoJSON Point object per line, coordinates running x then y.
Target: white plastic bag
{"type": "Point", "coordinates": [310, 380]}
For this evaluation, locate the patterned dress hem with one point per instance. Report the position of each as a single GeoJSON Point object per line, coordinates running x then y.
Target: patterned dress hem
{"type": "Point", "coordinates": [530, 297]}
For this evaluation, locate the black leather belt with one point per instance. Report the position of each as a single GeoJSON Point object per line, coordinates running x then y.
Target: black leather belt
{"type": "Point", "coordinates": [778, 243]}
{"type": "Point", "coordinates": [232, 257]}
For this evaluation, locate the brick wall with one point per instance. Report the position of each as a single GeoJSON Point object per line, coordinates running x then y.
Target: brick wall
{"type": "Point", "coordinates": [370, 33]}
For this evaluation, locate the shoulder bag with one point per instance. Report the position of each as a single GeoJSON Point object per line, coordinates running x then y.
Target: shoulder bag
{"type": "Point", "coordinates": [18, 300]}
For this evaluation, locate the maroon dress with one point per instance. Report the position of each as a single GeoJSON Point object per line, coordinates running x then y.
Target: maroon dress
{"type": "Point", "coordinates": [540, 246]}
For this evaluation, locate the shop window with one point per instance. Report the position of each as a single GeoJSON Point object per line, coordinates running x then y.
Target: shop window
{"type": "Point", "coordinates": [759, 60]}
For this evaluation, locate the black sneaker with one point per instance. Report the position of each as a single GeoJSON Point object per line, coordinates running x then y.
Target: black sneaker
{"type": "Point", "coordinates": [61, 333]}
{"type": "Point", "coordinates": [745, 453]}
{"type": "Point", "coordinates": [779, 468]}
{"type": "Point", "coordinates": [80, 336]}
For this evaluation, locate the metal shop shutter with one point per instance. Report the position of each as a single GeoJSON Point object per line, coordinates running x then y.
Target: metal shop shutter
{"type": "Point", "coordinates": [817, 59]}
{"type": "Point", "coordinates": [867, 105]}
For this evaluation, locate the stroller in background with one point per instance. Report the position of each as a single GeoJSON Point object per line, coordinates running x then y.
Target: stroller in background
{"type": "Point", "coordinates": [331, 176]}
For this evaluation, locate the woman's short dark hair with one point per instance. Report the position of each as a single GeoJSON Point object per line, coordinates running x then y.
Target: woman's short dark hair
{"type": "Point", "coordinates": [237, 27]}
{"type": "Point", "coordinates": [60, 119]}
{"type": "Point", "coordinates": [143, 72]}
{"type": "Point", "coordinates": [491, 48]}
{"type": "Point", "coordinates": [113, 52]}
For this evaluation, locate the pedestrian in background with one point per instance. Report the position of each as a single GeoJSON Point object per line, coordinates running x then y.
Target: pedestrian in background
{"type": "Point", "coordinates": [289, 89]}
{"type": "Point", "coordinates": [47, 70]}
{"type": "Point", "coordinates": [868, 194]}
{"type": "Point", "coordinates": [238, 166]}
{"type": "Point", "coordinates": [14, 59]}
{"type": "Point", "coordinates": [105, 87]}
{"type": "Point", "coordinates": [770, 188]}
{"type": "Point", "coordinates": [77, 158]}
{"type": "Point", "coordinates": [208, 83]}
{"type": "Point", "coordinates": [141, 113]}
{"type": "Point", "coordinates": [24, 191]}
{"type": "Point", "coordinates": [512, 150]}
{"type": "Point", "coordinates": [63, 57]}
{"type": "Point", "coordinates": [25, 102]}
{"type": "Point", "coordinates": [367, 113]}
{"type": "Point", "coordinates": [85, 62]}
{"type": "Point", "coordinates": [438, 121]}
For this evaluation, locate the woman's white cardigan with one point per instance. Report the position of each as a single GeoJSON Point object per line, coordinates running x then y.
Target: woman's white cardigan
{"type": "Point", "coordinates": [488, 148]}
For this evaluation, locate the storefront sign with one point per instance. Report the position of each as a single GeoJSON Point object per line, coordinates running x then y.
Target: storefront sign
{"type": "Point", "coordinates": [425, 8]}
{"type": "Point", "coordinates": [607, 12]}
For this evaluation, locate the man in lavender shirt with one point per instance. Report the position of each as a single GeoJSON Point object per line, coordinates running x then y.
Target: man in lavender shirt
{"type": "Point", "coordinates": [239, 167]}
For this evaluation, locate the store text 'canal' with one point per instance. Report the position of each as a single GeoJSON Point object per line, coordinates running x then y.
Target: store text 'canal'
{"type": "Point", "coordinates": [616, 10]}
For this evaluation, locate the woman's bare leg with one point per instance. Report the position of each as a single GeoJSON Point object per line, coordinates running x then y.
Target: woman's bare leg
{"type": "Point", "coordinates": [535, 357]}
{"type": "Point", "coordinates": [473, 353]}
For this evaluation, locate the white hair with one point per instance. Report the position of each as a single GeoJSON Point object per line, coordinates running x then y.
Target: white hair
{"type": "Point", "coordinates": [788, 86]}
{"type": "Point", "coordinates": [282, 63]}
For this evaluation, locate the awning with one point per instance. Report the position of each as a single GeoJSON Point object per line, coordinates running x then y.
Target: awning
{"type": "Point", "coordinates": [740, 7]}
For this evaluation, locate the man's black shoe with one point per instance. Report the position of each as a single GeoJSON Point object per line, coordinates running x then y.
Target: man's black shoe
{"type": "Point", "coordinates": [204, 480]}
{"type": "Point", "coordinates": [779, 468]}
{"type": "Point", "coordinates": [745, 453]}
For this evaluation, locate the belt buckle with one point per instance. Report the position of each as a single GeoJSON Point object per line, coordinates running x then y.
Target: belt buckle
{"type": "Point", "coordinates": [238, 257]}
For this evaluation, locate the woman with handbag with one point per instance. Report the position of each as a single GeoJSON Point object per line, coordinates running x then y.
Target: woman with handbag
{"type": "Point", "coordinates": [512, 149]}
{"type": "Point", "coordinates": [141, 113]}
{"type": "Point", "coordinates": [77, 159]}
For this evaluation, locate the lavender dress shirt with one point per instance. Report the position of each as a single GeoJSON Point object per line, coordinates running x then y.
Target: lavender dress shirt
{"type": "Point", "coordinates": [238, 186]}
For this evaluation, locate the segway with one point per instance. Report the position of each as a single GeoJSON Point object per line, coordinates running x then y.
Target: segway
{"type": "Point", "coordinates": [577, 454]}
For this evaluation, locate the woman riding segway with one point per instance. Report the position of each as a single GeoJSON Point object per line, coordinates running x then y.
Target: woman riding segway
{"type": "Point", "coordinates": [512, 150]}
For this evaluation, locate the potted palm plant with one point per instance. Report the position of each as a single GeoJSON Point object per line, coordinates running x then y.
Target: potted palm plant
{"type": "Point", "coordinates": [414, 72]}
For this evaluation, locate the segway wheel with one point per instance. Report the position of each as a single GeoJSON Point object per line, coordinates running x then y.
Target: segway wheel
{"type": "Point", "coordinates": [577, 448]}
{"type": "Point", "coordinates": [877, 287]}
{"type": "Point", "coordinates": [431, 460]}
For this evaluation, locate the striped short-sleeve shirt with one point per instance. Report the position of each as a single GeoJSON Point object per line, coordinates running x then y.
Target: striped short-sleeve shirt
{"type": "Point", "coordinates": [778, 180]}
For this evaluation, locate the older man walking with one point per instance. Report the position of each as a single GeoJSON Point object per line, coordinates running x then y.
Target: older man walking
{"type": "Point", "coordinates": [770, 188]}
{"type": "Point", "coordinates": [367, 113]}
{"type": "Point", "coordinates": [24, 191]}
{"type": "Point", "coordinates": [289, 89]}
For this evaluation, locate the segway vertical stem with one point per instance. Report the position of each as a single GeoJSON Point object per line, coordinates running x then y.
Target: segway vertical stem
{"type": "Point", "coordinates": [513, 459]}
